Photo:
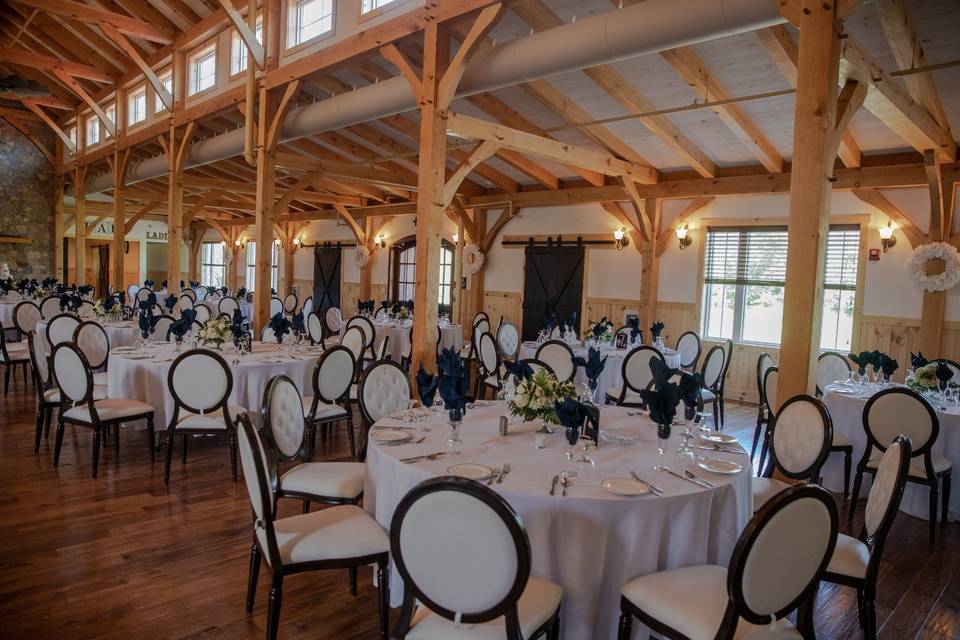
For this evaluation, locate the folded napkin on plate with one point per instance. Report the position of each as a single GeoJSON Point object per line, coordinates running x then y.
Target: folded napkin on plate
{"type": "Point", "coordinates": [297, 323]}
{"type": "Point", "coordinates": [888, 365]}
{"type": "Point", "coordinates": [453, 384]}
{"type": "Point", "coordinates": [663, 398]}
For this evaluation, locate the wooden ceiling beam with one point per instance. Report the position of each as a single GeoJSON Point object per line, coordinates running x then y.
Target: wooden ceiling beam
{"type": "Point", "coordinates": [22, 127]}
{"type": "Point", "coordinates": [127, 47]}
{"type": "Point", "coordinates": [94, 15]}
{"type": "Point", "coordinates": [51, 101]}
{"type": "Point", "coordinates": [31, 104]}
{"type": "Point", "coordinates": [707, 87]}
{"type": "Point", "coordinates": [692, 207]}
{"type": "Point", "coordinates": [874, 198]}
{"type": "Point", "coordinates": [246, 33]}
{"type": "Point", "coordinates": [49, 63]}
{"type": "Point", "coordinates": [96, 108]}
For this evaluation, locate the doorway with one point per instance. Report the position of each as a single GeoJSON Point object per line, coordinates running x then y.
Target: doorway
{"type": "Point", "coordinates": [552, 283]}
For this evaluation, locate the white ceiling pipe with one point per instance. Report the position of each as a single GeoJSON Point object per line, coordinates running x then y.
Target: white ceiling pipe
{"type": "Point", "coordinates": [647, 27]}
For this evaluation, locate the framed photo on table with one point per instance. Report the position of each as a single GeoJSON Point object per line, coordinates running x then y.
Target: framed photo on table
{"type": "Point", "coordinates": [622, 340]}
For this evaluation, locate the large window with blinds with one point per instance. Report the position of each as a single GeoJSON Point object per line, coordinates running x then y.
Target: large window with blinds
{"type": "Point", "coordinates": [213, 265]}
{"type": "Point", "coordinates": [405, 265]}
{"type": "Point", "coordinates": [744, 274]}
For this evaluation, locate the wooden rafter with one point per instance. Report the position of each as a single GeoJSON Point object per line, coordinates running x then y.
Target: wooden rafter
{"type": "Point", "coordinates": [246, 33]}
{"type": "Point", "coordinates": [30, 104]}
{"type": "Point", "coordinates": [482, 151]}
{"type": "Point", "coordinates": [692, 207]}
{"type": "Point", "coordinates": [874, 198]}
{"type": "Point", "coordinates": [617, 211]}
{"type": "Point", "coordinates": [484, 22]}
{"type": "Point", "coordinates": [22, 127]}
{"type": "Point", "coordinates": [94, 15]}
{"type": "Point", "coordinates": [127, 47]}
{"type": "Point", "coordinates": [83, 95]}
{"type": "Point", "coordinates": [49, 63]}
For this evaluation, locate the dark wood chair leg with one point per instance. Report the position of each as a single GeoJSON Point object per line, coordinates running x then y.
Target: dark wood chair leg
{"type": "Point", "coordinates": [97, 437]}
{"type": "Point", "coordinates": [116, 436]}
{"type": "Point", "coordinates": [847, 463]}
{"type": "Point", "coordinates": [945, 505]}
{"type": "Point", "coordinates": [46, 427]}
{"type": "Point", "coordinates": [860, 608]}
{"type": "Point", "coordinates": [625, 628]}
{"type": "Point", "coordinates": [553, 633]}
{"type": "Point", "coordinates": [805, 615]}
{"type": "Point", "coordinates": [869, 615]}
{"type": "Point", "coordinates": [254, 574]}
{"type": "Point", "coordinates": [350, 435]}
{"type": "Point", "coordinates": [167, 458]}
{"type": "Point", "coordinates": [233, 454]}
{"type": "Point", "coordinates": [6, 379]}
{"type": "Point", "coordinates": [186, 437]}
{"type": "Point", "coordinates": [383, 594]}
{"type": "Point", "coordinates": [151, 439]}
{"type": "Point", "coordinates": [757, 433]}
{"type": "Point", "coordinates": [40, 419]}
{"type": "Point", "coordinates": [352, 571]}
{"type": "Point", "coordinates": [273, 608]}
{"type": "Point", "coordinates": [857, 481]}
{"type": "Point", "coordinates": [934, 500]}
{"type": "Point", "coordinates": [58, 442]}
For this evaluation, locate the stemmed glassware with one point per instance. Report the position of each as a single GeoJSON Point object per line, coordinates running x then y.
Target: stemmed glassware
{"type": "Point", "coordinates": [570, 452]}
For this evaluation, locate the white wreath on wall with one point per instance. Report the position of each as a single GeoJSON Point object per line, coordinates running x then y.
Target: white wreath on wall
{"type": "Point", "coordinates": [361, 256]}
{"type": "Point", "coordinates": [917, 266]}
{"type": "Point", "coordinates": [472, 259]}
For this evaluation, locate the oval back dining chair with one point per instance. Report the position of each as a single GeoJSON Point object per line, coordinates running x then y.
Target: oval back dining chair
{"type": "Point", "coordinates": [537, 365]}
{"type": "Point", "coordinates": [324, 482]}
{"type": "Point", "coordinates": [48, 395]}
{"type": "Point", "coordinates": [508, 340]}
{"type": "Point", "coordinates": [142, 294]}
{"type": "Point", "coordinates": [636, 375]}
{"type": "Point", "coordinates": [228, 305]}
{"type": "Point", "coordinates": [800, 436]}
{"type": "Point", "coordinates": [353, 339]}
{"type": "Point", "coordinates": [203, 312]}
{"type": "Point", "coordinates": [369, 334]}
{"type": "Point", "coordinates": [79, 406]}
{"type": "Point", "coordinates": [26, 315]}
{"type": "Point", "coordinates": [186, 301]}
{"type": "Point", "coordinates": [276, 306]}
{"type": "Point", "coordinates": [200, 383]}
{"type": "Point", "coordinates": [488, 375]}
{"type": "Point", "coordinates": [212, 297]}
{"type": "Point", "coordinates": [711, 375]}
{"type": "Point", "coordinates": [559, 356]}
{"type": "Point", "coordinates": [11, 357]}
{"type": "Point", "coordinates": [688, 345]}
{"type": "Point", "coordinates": [161, 329]}
{"type": "Point", "coordinates": [332, 382]}
{"type": "Point", "coordinates": [333, 320]}
{"type": "Point", "coordinates": [831, 367]}
{"type": "Point", "coordinates": [481, 588]}
{"type": "Point", "coordinates": [315, 328]}
{"type": "Point", "coordinates": [480, 326]}
{"type": "Point", "coordinates": [201, 292]}
{"type": "Point", "coordinates": [290, 303]}
{"type": "Point", "coordinates": [50, 306]}
{"type": "Point", "coordinates": [896, 411]}
{"type": "Point", "coordinates": [384, 389]}
{"type": "Point", "coordinates": [338, 537]}
{"type": "Point", "coordinates": [93, 341]}
{"type": "Point", "coordinates": [775, 568]}
{"type": "Point", "coordinates": [856, 561]}
{"type": "Point", "coordinates": [764, 362]}
{"type": "Point", "coordinates": [307, 308]}
{"type": "Point", "coordinates": [60, 329]}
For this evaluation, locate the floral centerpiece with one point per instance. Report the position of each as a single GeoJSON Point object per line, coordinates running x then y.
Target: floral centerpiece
{"type": "Point", "coordinates": [537, 395]}
{"type": "Point", "coordinates": [601, 331]}
{"type": "Point", "coordinates": [924, 378]}
{"type": "Point", "coordinates": [216, 331]}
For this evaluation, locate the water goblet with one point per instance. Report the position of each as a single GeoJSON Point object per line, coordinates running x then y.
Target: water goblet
{"type": "Point", "coordinates": [570, 452]}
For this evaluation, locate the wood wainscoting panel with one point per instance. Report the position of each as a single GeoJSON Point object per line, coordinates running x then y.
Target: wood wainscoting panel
{"type": "Point", "coordinates": [677, 318]}
{"type": "Point", "coordinates": [506, 305]}
{"type": "Point", "coordinates": [613, 309]}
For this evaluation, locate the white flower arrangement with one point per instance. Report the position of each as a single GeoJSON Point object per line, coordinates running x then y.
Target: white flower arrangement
{"type": "Point", "coordinates": [403, 312]}
{"type": "Point", "coordinates": [361, 256]}
{"type": "Point", "coordinates": [216, 331]}
{"type": "Point", "coordinates": [923, 378]}
{"type": "Point", "coordinates": [605, 336]}
{"type": "Point", "coordinates": [472, 259]}
{"type": "Point", "coordinates": [535, 397]}
{"type": "Point", "coordinates": [98, 309]}
{"type": "Point", "coordinates": [917, 266]}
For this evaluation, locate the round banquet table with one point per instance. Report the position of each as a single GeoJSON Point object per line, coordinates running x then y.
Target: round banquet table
{"type": "Point", "coordinates": [612, 375]}
{"type": "Point", "coordinates": [451, 337]}
{"type": "Point", "coordinates": [846, 410]}
{"type": "Point", "coordinates": [132, 375]}
{"type": "Point", "coordinates": [6, 314]}
{"type": "Point", "coordinates": [246, 308]}
{"type": "Point", "coordinates": [120, 333]}
{"type": "Point", "coordinates": [590, 542]}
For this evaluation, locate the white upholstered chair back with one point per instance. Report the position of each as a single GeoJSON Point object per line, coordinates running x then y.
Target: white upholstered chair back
{"type": "Point", "coordinates": [132, 292]}
{"type": "Point", "coordinates": [161, 328]}
{"type": "Point", "coordinates": [900, 411]}
{"type": "Point", "coordinates": [636, 367]}
{"type": "Point", "coordinates": [508, 340]}
{"type": "Point", "coordinates": [689, 348]}
{"type": "Point", "coordinates": [334, 374]}
{"type": "Point", "coordinates": [201, 292]}
{"type": "Point", "coordinates": [559, 357]}
{"type": "Point", "coordinates": [333, 319]}
{"type": "Point", "coordinates": [190, 293]}
{"type": "Point", "coordinates": [488, 354]}
{"type": "Point", "coordinates": [887, 488]}
{"type": "Point", "coordinates": [315, 328]}
{"type": "Point", "coordinates": [283, 409]}
{"type": "Point", "coordinates": [290, 303]}
{"type": "Point", "coordinates": [253, 461]}
{"type": "Point", "coordinates": [276, 306]}
{"type": "Point", "coordinates": [185, 301]}
{"type": "Point", "coordinates": [713, 367]}
{"type": "Point", "coordinates": [92, 340]}
{"type": "Point", "coordinates": [307, 306]}
{"type": "Point", "coordinates": [462, 548]}
{"type": "Point", "coordinates": [802, 435]}
{"type": "Point", "coordinates": [831, 367]}
{"type": "Point", "coordinates": [228, 305]}
{"type": "Point", "coordinates": [782, 552]}
{"type": "Point", "coordinates": [267, 334]}
{"type": "Point", "coordinates": [26, 315]}
{"type": "Point", "coordinates": [770, 380]}
{"type": "Point", "coordinates": [60, 329]}
{"type": "Point", "coordinates": [200, 381]}
{"type": "Point", "coordinates": [481, 325]}
{"type": "Point", "coordinates": [71, 372]}
{"type": "Point", "coordinates": [50, 306]}
{"type": "Point", "coordinates": [366, 328]}
{"type": "Point", "coordinates": [382, 314]}
{"type": "Point", "coordinates": [38, 359]}
{"type": "Point", "coordinates": [143, 293]}
{"type": "Point", "coordinates": [384, 389]}
{"type": "Point", "coordinates": [353, 339]}
{"type": "Point", "coordinates": [203, 312]}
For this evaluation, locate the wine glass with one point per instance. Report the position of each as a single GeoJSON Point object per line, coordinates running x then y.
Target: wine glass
{"type": "Point", "coordinates": [570, 452]}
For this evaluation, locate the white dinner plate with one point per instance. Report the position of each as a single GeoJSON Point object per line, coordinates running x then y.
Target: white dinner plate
{"type": "Point", "coordinates": [470, 471]}
{"type": "Point", "coordinates": [390, 436]}
{"type": "Point", "coordinates": [718, 437]}
{"type": "Point", "coordinates": [625, 486]}
{"type": "Point", "coordinates": [719, 466]}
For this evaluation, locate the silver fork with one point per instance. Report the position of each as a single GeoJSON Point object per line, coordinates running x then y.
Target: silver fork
{"type": "Point", "coordinates": [657, 491]}
{"type": "Point", "coordinates": [493, 476]}
{"type": "Point", "coordinates": [566, 482]}
{"type": "Point", "coordinates": [503, 472]}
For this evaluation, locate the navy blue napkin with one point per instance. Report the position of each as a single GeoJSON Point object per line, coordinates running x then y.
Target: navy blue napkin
{"type": "Point", "coordinates": [592, 366]}
{"type": "Point", "coordinates": [297, 323]}
{"type": "Point", "coordinates": [663, 398]}
{"type": "Point", "coordinates": [280, 326]}
{"type": "Point", "coordinates": [600, 328]}
{"type": "Point", "coordinates": [148, 284]}
{"type": "Point", "coordinates": [518, 369]}
{"type": "Point", "coordinates": [170, 302]}
{"type": "Point", "coordinates": [944, 374]}
{"type": "Point", "coordinates": [656, 329]}
{"type": "Point", "coordinates": [570, 414]}
{"type": "Point", "coordinates": [453, 384]}
{"type": "Point", "coordinates": [917, 360]}
{"type": "Point", "coordinates": [182, 325]}
{"type": "Point", "coordinates": [634, 323]}
{"type": "Point", "coordinates": [236, 326]}
{"type": "Point", "coordinates": [426, 386]}
{"type": "Point", "coordinates": [861, 359]}
{"type": "Point", "coordinates": [888, 365]}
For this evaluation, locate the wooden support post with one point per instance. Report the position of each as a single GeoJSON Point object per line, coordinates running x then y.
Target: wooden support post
{"type": "Point", "coordinates": [196, 238]}
{"type": "Point", "coordinates": [456, 292]}
{"type": "Point", "coordinates": [366, 274]}
{"type": "Point", "coordinates": [119, 216]}
{"type": "Point", "coordinates": [477, 280]}
{"type": "Point", "coordinates": [233, 253]}
{"type": "Point", "coordinates": [265, 216]}
{"type": "Point", "coordinates": [80, 225]}
{"type": "Point", "coordinates": [58, 270]}
{"type": "Point", "coordinates": [934, 308]}
{"type": "Point", "coordinates": [650, 269]}
{"type": "Point", "coordinates": [815, 143]}
{"type": "Point", "coordinates": [176, 154]}
{"type": "Point", "coordinates": [291, 252]}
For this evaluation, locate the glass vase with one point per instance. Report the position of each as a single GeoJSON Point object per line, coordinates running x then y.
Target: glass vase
{"type": "Point", "coordinates": [454, 443]}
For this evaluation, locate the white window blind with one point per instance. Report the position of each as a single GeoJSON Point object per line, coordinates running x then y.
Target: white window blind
{"type": "Point", "coordinates": [753, 255]}
{"type": "Point", "coordinates": [843, 249]}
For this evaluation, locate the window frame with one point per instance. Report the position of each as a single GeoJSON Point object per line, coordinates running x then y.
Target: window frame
{"type": "Point", "coordinates": [111, 111]}
{"type": "Point", "coordinates": [250, 274]}
{"type": "Point", "coordinates": [863, 221]}
{"type": "Point", "coordinates": [95, 120]}
{"type": "Point", "coordinates": [391, 5]}
{"type": "Point", "coordinates": [222, 267]}
{"type": "Point", "coordinates": [158, 106]}
{"type": "Point", "coordinates": [193, 60]}
{"type": "Point", "coordinates": [132, 95]}
{"type": "Point", "coordinates": [292, 44]}
{"type": "Point", "coordinates": [402, 245]}
{"type": "Point", "coordinates": [235, 39]}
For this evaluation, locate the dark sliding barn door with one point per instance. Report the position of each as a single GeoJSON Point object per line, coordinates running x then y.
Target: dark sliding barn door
{"type": "Point", "coordinates": [553, 283]}
{"type": "Point", "coordinates": [326, 278]}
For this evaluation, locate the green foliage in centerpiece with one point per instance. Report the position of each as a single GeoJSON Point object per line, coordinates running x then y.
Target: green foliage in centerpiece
{"type": "Point", "coordinates": [216, 331]}
{"type": "Point", "coordinates": [537, 396]}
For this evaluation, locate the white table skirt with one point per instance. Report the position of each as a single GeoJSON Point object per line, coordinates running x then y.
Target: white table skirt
{"type": "Point", "coordinates": [6, 314]}
{"type": "Point", "coordinates": [246, 308]}
{"type": "Point", "coordinates": [146, 380]}
{"type": "Point", "coordinates": [590, 542]}
{"type": "Point", "coordinates": [120, 334]}
{"type": "Point", "coordinates": [451, 337]}
{"type": "Point", "coordinates": [847, 414]}
{"type": "Point", "coordinates": [612, 375]}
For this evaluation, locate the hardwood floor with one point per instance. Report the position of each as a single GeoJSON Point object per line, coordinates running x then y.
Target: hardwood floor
{"type": "Point", "coordinates": [124, 557]}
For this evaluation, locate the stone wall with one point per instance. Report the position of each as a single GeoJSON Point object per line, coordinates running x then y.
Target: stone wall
{"type": "Point", "coordinates": [26, 202]}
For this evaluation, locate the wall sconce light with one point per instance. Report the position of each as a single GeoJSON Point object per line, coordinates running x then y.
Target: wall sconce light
{"type": "Point", "coordinates": [379, 242]}
{"type": "Point", "coordinates": [296, 242]}
{"type": "Point", "coordinates": [276, 241]}
{"type": "Point", "coordinates": [456, 238]}
{"type": "Point", "coordinates": [683, 237]}
{"type": "Point", "coordinates": [887, 239]}
{"type": "Point", "coordinates": [620, 236]}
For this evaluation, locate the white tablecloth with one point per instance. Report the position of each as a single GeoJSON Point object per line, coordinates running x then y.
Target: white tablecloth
{"type": "Point", "coordinates": [122, 333]}
{"type": "Point", "coordinates": [847, 414]}
{"type": "Point", "coordinates": [451, 337]}
{"type": "Point", "coordinates": [6, 313]}
{"type": "Point", "coordinates": [246, 308]}
{"type": "Point", "coordinates": [146, 379]}
{"type": "Point", "coordinates": [590, 542]}
{"type": "Point", "coordinates": [612, 375]}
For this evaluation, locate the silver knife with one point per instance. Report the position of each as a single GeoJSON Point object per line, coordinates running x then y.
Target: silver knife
{"type": "Point", "coordinates": [677, 475]}
{"type": "Point", "coordinates": [653, 488]}
{"type": "Point", "coordinates": [553, 485]}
